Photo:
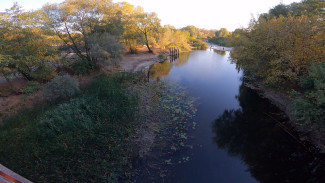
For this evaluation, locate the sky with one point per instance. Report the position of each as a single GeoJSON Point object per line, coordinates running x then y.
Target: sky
{"type": "Point", "coordinates": [208, 14]}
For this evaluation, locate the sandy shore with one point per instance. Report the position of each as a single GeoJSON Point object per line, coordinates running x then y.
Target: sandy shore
{"type": "Point", "coordinates": [136, 62]}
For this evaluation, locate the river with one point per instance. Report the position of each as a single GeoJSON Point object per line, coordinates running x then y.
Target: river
{"type": "Point", "coordinates": [239, 137]}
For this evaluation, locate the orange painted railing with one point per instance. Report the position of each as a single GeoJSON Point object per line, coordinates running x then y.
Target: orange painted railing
{"type": "Point", "coordinates": [8, 176]}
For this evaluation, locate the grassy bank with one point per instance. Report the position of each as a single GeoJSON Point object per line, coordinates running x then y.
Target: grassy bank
{"type": "Point", "coordinates": [95, 135]}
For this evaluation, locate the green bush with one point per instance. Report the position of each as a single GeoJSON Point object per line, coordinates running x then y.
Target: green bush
{"type": "Point", "coordinates": [43, 73]}
{"type": "Point", "coordinates": [81, 67]}
{"type": "Point", "coordinates": [32, 87]}
{"type": "Point", "coordinates": [310, 105]}
{"type": "Point", "coordinates": [86, 133]}
{"type": "Point", "coordinates": [85, 139]}
{"type": "Point", "coordinates": [221, 41]}
{"type": "Point", "coordinates": [61, 87]}
{"type": "Point", "coordinates": [200, 44]}
{"type": "Point", "coordinates": [162, 57]}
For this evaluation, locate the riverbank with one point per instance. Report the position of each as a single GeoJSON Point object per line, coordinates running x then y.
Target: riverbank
{"type": "Point", "coordinates": [157, 128]}
{"type": "Point", "coordinates": [13, 100]}
{"type": "Point", "coordinates": [115, 119]}
{"type": "Point", "coordinates": [285, 103]}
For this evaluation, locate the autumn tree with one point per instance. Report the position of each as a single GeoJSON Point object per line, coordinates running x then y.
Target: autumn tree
{"type": "Point", "coordinates": [278, 10]}
{"type": "Point", "coordinates": [223, 32]}
{"type": "Point", "coordinates": [24, 46]}
{"type": "Point", "coordinates": [169, 37]}
{"type": "Point", "coordinates": [131, 35]}
{"type": "Point", "coordinates": [279, 50]}
{"type": "Point", "coordinates": [148, 24]}
{"type": "Point", "coordinates": [180, 39]}
{"type": "Point", "coordinates": [279, 53]}
{"type": "Point", "coordinates": [305, 7]}
{"type": "Point", "coordinates": [221, 38]}
{"type": "Point", "coordinates": [165, 36]}
{"type": "Point", "coordinates": [80, 23]}
{"type": "Point", "coordinates": [195, 33]}
{"type": "Point", "coordinates": [286, 51]}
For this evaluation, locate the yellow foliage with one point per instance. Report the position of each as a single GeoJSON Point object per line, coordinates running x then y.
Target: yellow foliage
{"type": "Point", "coordinates": [279, 50]}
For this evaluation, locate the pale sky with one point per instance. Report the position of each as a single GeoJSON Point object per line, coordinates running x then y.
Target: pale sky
{"type": "Point", "coordinates": [209, 14]}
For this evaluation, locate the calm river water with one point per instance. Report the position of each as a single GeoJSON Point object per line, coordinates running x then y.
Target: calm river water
{"type": "Point", "coordinates": [238, 139]}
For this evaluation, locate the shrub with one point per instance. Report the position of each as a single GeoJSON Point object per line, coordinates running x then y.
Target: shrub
{"type": "Point", "coordinates": [105, 46]}
{"type": "Point", "coordinates": [201, 45]}
{"type": "Point", "coordinates": [91, 132]}
{"type": "Point", "coordinates": [32, 87]}
{"type": "Point", "coordinates": [43, 73]}
{"type": "Point", "coordinates": [81, 67]}
{"type": "Point", "coordinates": [162, 57]}
{"type": "Point", "coordinates": [311, 105]}
{"type": "Point", "coordinates": [61, 87]}
{"type": "Point", "coordinates": [89, 137]}
{"type": "Point", "coordinates": [221, 41]}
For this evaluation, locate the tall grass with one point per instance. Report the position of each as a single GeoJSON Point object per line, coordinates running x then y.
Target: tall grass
{"type": "Point", "coordinates": [95, 135]}
{"type": "Point", "coordinates": [84, 139]}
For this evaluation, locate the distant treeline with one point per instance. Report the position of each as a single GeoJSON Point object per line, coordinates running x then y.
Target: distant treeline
{"type": "Point", "coordinates": [284, 49]}
{"type": "Point", "coordinates": [222, 38]}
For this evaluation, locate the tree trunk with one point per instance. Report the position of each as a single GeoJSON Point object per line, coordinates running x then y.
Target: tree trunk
{"type": "Point", "coordinates": [147, 43]}
{"type": "Point", "coordinates": [25, 75]}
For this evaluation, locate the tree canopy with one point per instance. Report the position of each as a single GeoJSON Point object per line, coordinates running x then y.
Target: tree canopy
{"type": "Point", "coordinates": [35, 43]}
{"type": "Point", "coordinates": [24, 46]}
{"type": "Point", "coordinates": [284, 49]}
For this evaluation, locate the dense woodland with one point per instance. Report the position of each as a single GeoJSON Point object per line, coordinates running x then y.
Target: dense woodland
{"type": "Point", "coordinates": [284, 50]}
{"type": "Point", "coordinates": [36, 43]}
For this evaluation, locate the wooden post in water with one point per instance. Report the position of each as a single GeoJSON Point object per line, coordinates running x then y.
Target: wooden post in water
{"type": "Point", "coordinates": [173, 53]}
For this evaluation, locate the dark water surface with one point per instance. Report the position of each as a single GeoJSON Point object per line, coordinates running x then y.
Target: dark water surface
{"type": "Point", "coordinates": [238, 138]}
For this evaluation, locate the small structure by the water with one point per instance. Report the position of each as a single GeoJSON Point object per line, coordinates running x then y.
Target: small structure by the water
{"type": "Point", "coordinates": [174, 51]}
{"type": "Point", "coordinates": [173, 54]}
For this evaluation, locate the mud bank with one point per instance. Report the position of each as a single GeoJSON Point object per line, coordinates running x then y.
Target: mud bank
{"type": "Point", "coordinates": [285, 103]}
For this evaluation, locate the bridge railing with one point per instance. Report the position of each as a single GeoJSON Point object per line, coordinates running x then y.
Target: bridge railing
{"type": "Point", "coordinates": [8, 176]}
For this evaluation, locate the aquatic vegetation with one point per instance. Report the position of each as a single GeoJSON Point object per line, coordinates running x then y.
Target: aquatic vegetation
{"type": "Point", "coordinates": [166, 113]}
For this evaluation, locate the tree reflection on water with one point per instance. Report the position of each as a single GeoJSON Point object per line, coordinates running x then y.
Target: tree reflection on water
{"type": "Point", "coordinates": [222, 53]}
{"type": "Point", "coordinates": [161, 69]}
{"type": "Point", "coordinates": [270, 153]}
